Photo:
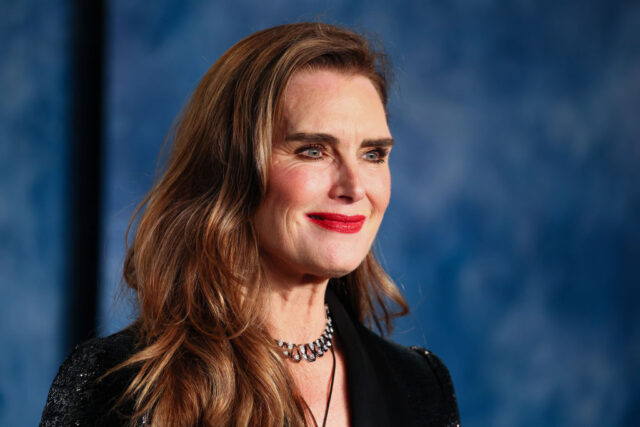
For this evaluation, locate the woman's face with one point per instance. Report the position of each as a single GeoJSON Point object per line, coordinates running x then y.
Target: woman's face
{"type": "Point", "coordinates": [329, 182]}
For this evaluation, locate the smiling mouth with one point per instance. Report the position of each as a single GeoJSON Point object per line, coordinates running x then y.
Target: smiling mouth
{"type": "Point", "coordinates": [336, 222]}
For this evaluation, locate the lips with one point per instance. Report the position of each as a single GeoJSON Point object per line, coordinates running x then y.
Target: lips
{"type": "Point", "coordinates": [337, 222]}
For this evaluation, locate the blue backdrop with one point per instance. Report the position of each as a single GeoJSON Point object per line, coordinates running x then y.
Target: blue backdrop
{"type": "Point", "coordinates": [513, 225]}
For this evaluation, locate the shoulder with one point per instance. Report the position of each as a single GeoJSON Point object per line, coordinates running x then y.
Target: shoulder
{"type": "Point", "coordinates": [422, 376]}
{"type": "Point", "coordinates": [78, 395]}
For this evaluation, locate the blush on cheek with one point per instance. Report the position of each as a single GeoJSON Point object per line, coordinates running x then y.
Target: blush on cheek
{"type": "Point", "coordinates": [296, 184]}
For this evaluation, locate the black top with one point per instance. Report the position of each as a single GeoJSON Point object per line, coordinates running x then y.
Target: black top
{"type": "Point", "coordinates": [389, 385]}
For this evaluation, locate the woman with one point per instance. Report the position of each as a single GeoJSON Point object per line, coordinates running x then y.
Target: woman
{"type": "Point", "coordinates": [252, 258]}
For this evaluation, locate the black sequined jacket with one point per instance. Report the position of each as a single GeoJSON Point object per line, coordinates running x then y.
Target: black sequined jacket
{"type": "Point", "coordinates": [389, 385]}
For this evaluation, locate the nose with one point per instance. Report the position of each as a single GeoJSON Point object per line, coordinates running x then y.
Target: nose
{"type": "Point", "coordinates": [348, 185]}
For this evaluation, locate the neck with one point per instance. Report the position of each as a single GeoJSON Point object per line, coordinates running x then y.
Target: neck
{"type": "Point", "coordinates": [296, 308]}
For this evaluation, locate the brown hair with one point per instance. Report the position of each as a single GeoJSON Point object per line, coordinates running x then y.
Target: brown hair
{"type": "Point", "coordinates": [203, 354]}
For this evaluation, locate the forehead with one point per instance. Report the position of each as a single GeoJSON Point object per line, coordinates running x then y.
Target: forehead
{"type": "Point", "coordinates": [325, 81]}
{"type": "Point", "coordinates": [323, 97]}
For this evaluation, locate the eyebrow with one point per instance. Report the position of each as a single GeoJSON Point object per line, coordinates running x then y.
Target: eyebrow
{"type": "Point", "coordinates": [330, 139]}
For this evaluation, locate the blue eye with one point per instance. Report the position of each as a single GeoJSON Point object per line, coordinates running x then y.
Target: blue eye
{"type": "Point", "coordinates": [376, 156]}
{"type": "Point", "coordinates": [311, 152]}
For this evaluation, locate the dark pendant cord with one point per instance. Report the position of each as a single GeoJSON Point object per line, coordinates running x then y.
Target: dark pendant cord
{"type": "Point", "coordinates": [326, 411]}
{"type": "Point", "coordinates": [333, 374]}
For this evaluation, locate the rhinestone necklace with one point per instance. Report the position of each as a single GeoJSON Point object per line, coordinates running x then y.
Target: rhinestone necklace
{"type": "Point", "coordinates": [310, 351]}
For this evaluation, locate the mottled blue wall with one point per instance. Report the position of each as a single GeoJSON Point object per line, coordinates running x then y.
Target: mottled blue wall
{"type": "Point", "coordinates": [34, 65]}
{"type": "Point", "coordinates": [513, 226]}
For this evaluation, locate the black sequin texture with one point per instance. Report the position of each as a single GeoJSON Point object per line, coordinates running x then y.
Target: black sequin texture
{"type": "Point", "coordinates": [77, 398]}
{"type": "Point", "coordinates": [448, 414]}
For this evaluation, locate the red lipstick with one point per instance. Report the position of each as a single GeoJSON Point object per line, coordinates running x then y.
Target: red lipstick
{"type": "Point", "coordinates": [337, 222]}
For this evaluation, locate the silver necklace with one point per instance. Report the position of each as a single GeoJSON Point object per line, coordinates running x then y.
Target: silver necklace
{"type": "Point", "coordinates": [312, 350]}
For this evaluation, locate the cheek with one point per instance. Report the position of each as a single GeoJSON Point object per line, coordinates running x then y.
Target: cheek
{"type": "Point", "coordinates": [380, 191]}
{"type": "Point", "coordinates": [293, 186]}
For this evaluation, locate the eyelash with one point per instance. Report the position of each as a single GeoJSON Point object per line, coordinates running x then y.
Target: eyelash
{"type": "Point", "coordinates": [380, 152]}
{"type": "Point", "coordinates": [301, 150]}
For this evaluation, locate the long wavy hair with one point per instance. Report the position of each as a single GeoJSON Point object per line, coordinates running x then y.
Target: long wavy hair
{"type": "Point", "coordinates": [203, 355]}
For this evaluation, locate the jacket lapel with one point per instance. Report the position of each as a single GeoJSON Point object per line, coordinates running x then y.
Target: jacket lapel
{"type": "Point", "coordinates": [368, 398]}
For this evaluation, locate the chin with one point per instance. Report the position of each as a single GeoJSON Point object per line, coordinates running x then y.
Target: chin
{"type": "Point", "coordinates": [335, 270]}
